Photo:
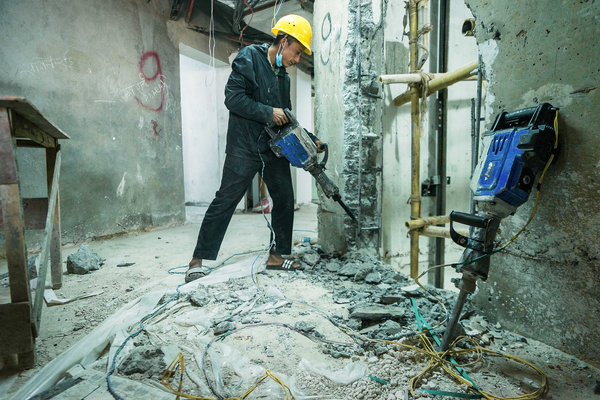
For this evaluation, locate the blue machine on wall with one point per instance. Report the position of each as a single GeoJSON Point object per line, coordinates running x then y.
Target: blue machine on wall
{"type": "Point", "coordinates": [519, 145]}
{"type": "Point", "coordinates": [516, 151]}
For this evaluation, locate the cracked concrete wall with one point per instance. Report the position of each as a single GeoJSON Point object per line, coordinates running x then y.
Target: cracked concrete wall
{"type": "Point", "coordinates": [348, 116]}
{"type": "Point", "coordinates": [546, 285]}
{"type": "Point", "coordinates": [103, 72]}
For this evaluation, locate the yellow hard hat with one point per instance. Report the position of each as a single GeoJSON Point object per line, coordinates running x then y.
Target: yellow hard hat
{"type": "Point", "coordinates": [297, 27]}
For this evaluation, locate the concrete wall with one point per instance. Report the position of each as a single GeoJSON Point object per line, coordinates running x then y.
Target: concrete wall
{"type": "Point", "coordinates": [90, 68]}
{"type": "Point", "coordinates": [546, 285]}
{"type": "Point", "coordinates": [330, 59]}
{"type": "Point", "coordinates": [349, 119]}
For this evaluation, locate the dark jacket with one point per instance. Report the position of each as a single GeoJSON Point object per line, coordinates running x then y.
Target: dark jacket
{"type": "Point", "coordinates": [251, 93]}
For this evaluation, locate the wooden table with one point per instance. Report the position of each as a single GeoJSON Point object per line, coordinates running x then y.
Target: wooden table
{"type": "Point", "coordinates": [22, 125]}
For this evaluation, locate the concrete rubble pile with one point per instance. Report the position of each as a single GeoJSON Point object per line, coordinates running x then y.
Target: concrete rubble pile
{"type": "Point", "coordinates": [281, 324]}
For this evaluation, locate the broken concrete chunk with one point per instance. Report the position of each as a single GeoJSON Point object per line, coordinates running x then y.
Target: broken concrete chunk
{"type": "Point", "coordinates": [475, 326]}
{"type": "Point", "coordinates": [390, 328]}
{"type": "Point", "coordinates": [378, 313]}
{"type": "Point", "coordinates": [354, 323]}
{"type": "Point", "coordinates": [391, 299]}
{"type": "Point", "coordinates": [200, 297]}
{"type": "Point", "coordinates": [373, 277]}
{"type": "Point", "coordinates": [363, 271]}
{"type": "Point", "coordinates": [412, 290]}
{"type": "Point", "coordinates": [223, 327]}
{"type": "Point", "coordinates": [349, 269]}
{"type": "Point", "coordinates": [143, 360]}
{"type": "Point", "coordinates": [83, 261]}
{"type": "Point", "coordinates": [311, 258]}
{"type": "Point", "coordinates": [304, 326]}
{"type": "Point", "coordinates": [333, 266]}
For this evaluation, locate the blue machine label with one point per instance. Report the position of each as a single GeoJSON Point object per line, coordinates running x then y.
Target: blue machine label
{"type": "Point", "coordinates": [293, 150]}
{"type": "Point", "coordinates": [502, 169]}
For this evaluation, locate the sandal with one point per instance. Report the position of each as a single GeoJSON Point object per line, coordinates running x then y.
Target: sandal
{"type": "Point", "coordinates": [195, 273]}
{"type": "Point", "coordinates": [286, 265]}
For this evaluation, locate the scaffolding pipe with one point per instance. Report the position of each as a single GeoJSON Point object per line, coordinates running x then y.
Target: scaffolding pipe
{"type": "Point", "coordinates": [436, 277]}
{"type": "Point", "coordinates": [436, 84]}
{"type": "Point", "coordinates": [423, 222]}
{"type": "Point", "coordinates": [415, 192]}
{"type": "Point", "coordinates": [413, 78]}
{"type": "Point", "coordinates": [440, 231]}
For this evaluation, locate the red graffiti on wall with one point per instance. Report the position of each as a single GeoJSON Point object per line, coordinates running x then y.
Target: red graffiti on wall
{"type": "Point", "coordinates": [157, 75]}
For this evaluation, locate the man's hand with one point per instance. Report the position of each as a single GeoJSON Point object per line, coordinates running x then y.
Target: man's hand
{"type": "Point", "coordinates": [320, 148]}
{"type": "Point", "coordinates": [279, 116]}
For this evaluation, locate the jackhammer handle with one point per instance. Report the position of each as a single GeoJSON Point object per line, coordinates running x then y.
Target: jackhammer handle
{"type": "Point", "coordinates": [288, 114]}
{"type": "Point", "coordinates": [468, 219]}
{"type": "Point", "coordinates": [326, 156]}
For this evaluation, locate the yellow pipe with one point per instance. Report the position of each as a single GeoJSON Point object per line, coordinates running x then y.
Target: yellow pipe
{"type": "Point", "coordinates": [440, 231]}
{"type": "Point", "coordinates": [413, 78]}
{"type": "Point", "coordinates": [423, 222]}
{"type": "Point", "coordinates": [443, 82]}
{"type": "Point", "coordinates": [415, 190]}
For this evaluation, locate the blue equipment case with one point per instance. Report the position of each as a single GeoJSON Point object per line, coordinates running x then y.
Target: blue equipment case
{"type": "Point", "coordinates": [521, 144]}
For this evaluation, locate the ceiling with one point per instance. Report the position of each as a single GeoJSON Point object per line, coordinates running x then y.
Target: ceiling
{"type": "Point", "coordinates": [255, 22]}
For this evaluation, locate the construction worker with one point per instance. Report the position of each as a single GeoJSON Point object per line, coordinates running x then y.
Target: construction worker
{"type": "Point", "coordinates": [256, 93]}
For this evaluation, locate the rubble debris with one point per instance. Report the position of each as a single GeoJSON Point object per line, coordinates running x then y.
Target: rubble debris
{"type": "Point", "coordinates": [378, 313]}
{"type": "Point", "coordinates": [304, 326]}
{"type": "Point", "coordinates": [382, 310]}
{"type": "Point", "coordinates": [144, 360]}
{"type": "Point", "coordinates": [349, 269]}
{"type": "Point", "coordinates": [311, 258]}
{"type": "Point", "coordinates": [84, 261]}
{"type": "Point", "coordinates": [373, 277]}
{"type": "Point", "coordinates": [201, 296]}
{"type": "Point", "coordinates": [224, 327]}
{"type": "Point", "coordinates": [125, 265]}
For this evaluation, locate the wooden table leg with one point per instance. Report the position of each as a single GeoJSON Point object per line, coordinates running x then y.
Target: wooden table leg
{"type": "Point", "coordinates": [56, 267]}
{"type": "Point", "coordinates": [18, 313]}
{"type": "Point", "coordinates": [14, 227]}
{"type": "Point", "coordinates": [26, 360]}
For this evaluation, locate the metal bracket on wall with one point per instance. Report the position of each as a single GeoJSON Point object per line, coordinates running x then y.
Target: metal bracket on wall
{"type": "Point", "coordinates": [429, 186]}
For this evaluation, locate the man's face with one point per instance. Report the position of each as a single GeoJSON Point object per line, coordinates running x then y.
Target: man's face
{"type": "Point", "coordinates": [290, 55]}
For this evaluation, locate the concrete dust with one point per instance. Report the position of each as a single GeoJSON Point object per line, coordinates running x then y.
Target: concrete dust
{"type": "Point", "coordinates": [354, 289]}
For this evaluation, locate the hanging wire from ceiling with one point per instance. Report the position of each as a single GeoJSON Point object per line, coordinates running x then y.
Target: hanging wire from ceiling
{"type": "Point", "coordinates": [211, 46]}
{"type": "Point", "coordinates": [276, 10]}
{"type": "Point", "coordinates": [238, 15]}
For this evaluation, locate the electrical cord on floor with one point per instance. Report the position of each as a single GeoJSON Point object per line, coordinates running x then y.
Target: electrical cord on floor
{"type": "Point", "coordinates": [211, 269]}
{"type": "Point", "coordinates": [436, 358]}
{"type": "Point", "coordinates": [128, 338]}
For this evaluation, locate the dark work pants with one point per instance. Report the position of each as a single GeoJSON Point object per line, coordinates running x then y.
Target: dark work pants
{"type": "Point", "coordinates": [237, 177]}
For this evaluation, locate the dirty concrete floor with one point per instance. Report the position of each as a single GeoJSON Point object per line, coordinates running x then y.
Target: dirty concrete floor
{"type": "Point", "coordinates": [155, 252]}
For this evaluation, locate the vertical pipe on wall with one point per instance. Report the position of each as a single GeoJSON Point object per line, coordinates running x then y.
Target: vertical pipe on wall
{"type": "Point", "coordinates": [476, 127]}
{"type": "Point", "coordinates": [473, 162]}
{"type": "Point", "coordinates": [380, 199]}
{"type": "Point", "coordinates": [415, 193]}
{"type": "Point", "coordinates": [358, 128]}
{"type": "Point", "coordinates": [442, 96]}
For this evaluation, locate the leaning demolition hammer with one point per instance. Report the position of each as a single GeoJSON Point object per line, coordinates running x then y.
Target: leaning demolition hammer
{"type": "Point", "coordinates": [293, 143]}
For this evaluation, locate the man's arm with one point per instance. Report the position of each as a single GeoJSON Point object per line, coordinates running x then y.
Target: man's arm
{"type": "Point", "coordinates": [242, 82]}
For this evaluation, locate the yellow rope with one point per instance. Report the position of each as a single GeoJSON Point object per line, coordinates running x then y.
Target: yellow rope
{"type": "Point", "coordinates": [179, 362]}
